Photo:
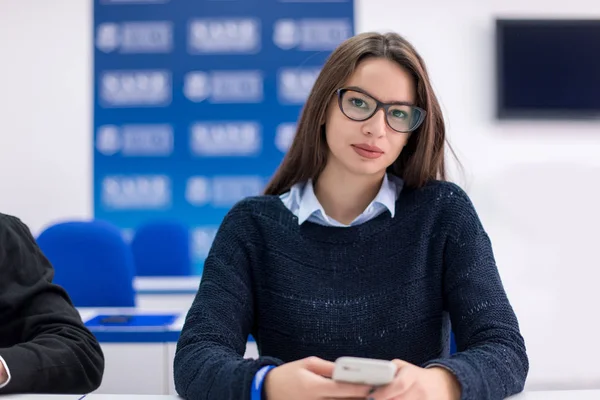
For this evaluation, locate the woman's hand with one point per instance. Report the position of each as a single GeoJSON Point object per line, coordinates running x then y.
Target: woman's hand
{"type": "Point", "coordinates": [415, 383]}
{"type": "Point", "coordinates": [309, 379]}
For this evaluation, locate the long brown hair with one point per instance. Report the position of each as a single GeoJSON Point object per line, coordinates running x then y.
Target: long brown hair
{"type": "Point", "coordinates": [421, 160]}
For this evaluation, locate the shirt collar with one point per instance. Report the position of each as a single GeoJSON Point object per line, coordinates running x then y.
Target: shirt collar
{"type": "Point", "coordinates": [387, 195]}
{"type": "Point", "coordinates": [309, 204]}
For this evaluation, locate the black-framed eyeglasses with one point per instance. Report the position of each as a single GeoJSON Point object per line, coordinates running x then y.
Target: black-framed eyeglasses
{"type": "Point", "coordinates": [358, 105]}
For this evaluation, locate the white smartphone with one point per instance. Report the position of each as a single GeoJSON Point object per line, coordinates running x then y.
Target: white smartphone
{"type": "Point", "coordinates": [365, 371]}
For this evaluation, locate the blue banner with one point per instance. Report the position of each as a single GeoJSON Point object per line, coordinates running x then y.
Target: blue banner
{"type": "Point", "coordinates": [196, 101]}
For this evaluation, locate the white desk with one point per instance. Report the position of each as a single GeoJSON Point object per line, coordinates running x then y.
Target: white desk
{"type": "Point", "coordinates": [94, 396]}
{"type": "Point", "coordinates": [165, 292]}
{"type": "Point", "coordinates": [43, 397]}
{"type": "Point", "coordinates": [139, 355]}
{"type": "Point", "coordinates": [559, 395]}
{"type": "Point", "coordinates": [555, 395]}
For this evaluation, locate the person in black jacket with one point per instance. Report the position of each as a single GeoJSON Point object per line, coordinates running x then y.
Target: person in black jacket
{"type": "Point", "coordinates": [44, 345]}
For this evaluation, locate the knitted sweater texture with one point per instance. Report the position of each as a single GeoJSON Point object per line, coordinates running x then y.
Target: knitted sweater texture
{"type": "Point", "coordinates": [388, 288]}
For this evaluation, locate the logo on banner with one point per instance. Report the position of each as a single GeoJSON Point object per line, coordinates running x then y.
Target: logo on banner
{"type": "Point", "coordinates": [222, 191]}
{"type": "Point", "coordinates": [135, 140]}
{"type": "Point", "coordinates": [322, 34]}
{"type": "Point", "coordinates": [108, 140]}
{"type": "Point", "coordinates": [294, 84]}
{"type": "Point", "coordinates": [202, 239]}
{"type": "Point", "coordinates": [225, 139]}
{"type": "Point", "coordinates": [123, 192]}
{"type": "Point", "coordinates": [135, 37]}
{"type": "Point", "coordinates": [134, 1]}
{"type": "Point", "coordinates": [224, 86]}
{"type": "Point", "coordinates": [149, 88]}
{"type": "Point", "coordinates": [284, 136]}
{"type": "Point", "coordinates": [224, 35]}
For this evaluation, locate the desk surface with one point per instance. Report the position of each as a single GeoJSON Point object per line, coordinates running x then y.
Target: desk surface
{"type": "Point", "coordinates": [129, 397]}
{"type": "Point", "coordinates": [43, 397]}
{"type": "Point", "coordinates": [134, 333]}
{"type": "Point", "coordinates": [557, 395]}
{"type": "Point", "coordinates": [91, 396]}
{"type": "Point", "coordinates": [87, 314]}
{"type": "Point", "coordinates": [166, 285]}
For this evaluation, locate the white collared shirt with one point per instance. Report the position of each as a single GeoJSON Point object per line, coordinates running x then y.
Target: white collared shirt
{"type": "Point", "coordinates": [7, 373]}
{"type": "Point", "coordinates": [303, 203]}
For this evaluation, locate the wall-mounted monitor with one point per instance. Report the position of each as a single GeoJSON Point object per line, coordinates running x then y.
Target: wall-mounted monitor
{"type": "Point", "coordinates": [548, 69]}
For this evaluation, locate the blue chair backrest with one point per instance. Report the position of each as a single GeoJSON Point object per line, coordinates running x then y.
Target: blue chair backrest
{"type": "Point", "coordinates": [453, 349]}
{"type": "Point", "coordinates": [162, 248]}
{"type": "Point", "coordinates": [92, 262]}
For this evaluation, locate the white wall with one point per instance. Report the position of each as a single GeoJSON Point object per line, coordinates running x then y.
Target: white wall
{"type": "Point", "coordinates": [45, 109]}
{"type": "Point", "coordinates": [534, 184]}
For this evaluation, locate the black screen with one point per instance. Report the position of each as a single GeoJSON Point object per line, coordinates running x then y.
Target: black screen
{"type": "Point", "coordinates": [548, 68]}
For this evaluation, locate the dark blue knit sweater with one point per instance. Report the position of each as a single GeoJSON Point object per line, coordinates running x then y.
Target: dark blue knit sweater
{"type": "Point", "coordinates": [384, 289]}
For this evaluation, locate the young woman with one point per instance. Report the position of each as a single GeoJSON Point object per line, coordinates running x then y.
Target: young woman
{"type": "Point", "coordinates": [359, 247]}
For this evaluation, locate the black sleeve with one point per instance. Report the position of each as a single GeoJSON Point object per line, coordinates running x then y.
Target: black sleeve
{"type": "Point", "coordinates": [491, 362]}
{"type": "Point", "coordinates": [43, 340]}
{"type": "Point", "coordinates": [209, 363]}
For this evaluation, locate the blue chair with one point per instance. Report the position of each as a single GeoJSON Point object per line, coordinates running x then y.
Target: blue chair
{"type": "Point", "coordinates": [162, 248]}
{"type": "Point", "coordinates": [452, 343]}
{"type": "Point", "coordinates": [92, 262]}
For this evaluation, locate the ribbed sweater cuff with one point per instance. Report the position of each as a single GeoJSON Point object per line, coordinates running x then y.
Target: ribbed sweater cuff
{"type": "Point", "coordinates": [464, 373]}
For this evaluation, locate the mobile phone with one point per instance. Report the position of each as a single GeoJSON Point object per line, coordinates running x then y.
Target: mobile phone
{"type": "Point", "coordinates": [364, 371]}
